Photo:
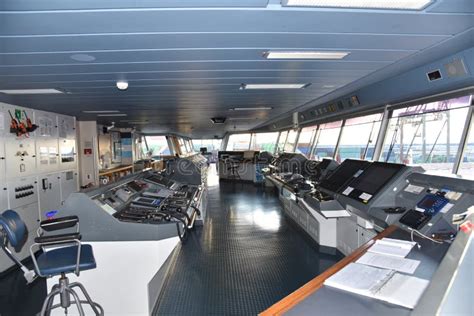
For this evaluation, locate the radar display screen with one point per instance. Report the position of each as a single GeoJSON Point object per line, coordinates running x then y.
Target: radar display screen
{"type": "Point", "coordinates": [343, 174]}
{"type": "Point", "coordinates": [372, 180]}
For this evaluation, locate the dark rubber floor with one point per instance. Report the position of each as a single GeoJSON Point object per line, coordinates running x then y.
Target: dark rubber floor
{"type": "Point", "coordinates": [246, 257]}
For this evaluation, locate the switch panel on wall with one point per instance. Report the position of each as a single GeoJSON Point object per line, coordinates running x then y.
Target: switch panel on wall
{"type": "Point", "coordinates": [20, 155]}
{"type": "Point", "coordinates": [22, 191]}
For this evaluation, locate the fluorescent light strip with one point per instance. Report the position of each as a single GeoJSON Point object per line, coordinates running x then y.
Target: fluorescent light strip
{"type": "Point", "coordinates": [274, 86]}
{"type": "Point", "coordinates": [101, 111]}
{"type": "Point", "coordinates": [304, 55]}
{"type": "Point", "coordinates": [361, 4]}
{"type": "Point", "coordinates": [119, 114]}
{"type": "Point", "coordinates": [260, 108]}
{"type": "Point", "coordinates": [32, 91]}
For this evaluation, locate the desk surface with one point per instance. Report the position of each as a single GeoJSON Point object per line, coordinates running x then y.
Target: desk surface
{"type": "Point", "coordinates": [330, 301]}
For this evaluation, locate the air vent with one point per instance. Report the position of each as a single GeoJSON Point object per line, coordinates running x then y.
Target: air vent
{"type": "Point", "coordinates": [434, 75]}
{"type": "Point", "coordinates": [218, 120]}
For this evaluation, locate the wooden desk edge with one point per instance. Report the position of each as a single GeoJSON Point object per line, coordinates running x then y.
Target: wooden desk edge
{"type": "Point", "coordinates": [315, 284]}
{"type": "Point", "coordinates": [113, 170]}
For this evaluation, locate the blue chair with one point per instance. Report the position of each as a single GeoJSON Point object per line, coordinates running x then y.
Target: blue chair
{"type": "Point", "coordinates": [65, 255]}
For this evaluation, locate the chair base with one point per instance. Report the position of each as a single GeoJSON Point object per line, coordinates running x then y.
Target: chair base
{"type": "Point", "coordinates": [65, 291]}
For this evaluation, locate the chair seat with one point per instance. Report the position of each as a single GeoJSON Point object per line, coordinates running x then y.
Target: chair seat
{"type": "Point", "coordinates": [63, 260]}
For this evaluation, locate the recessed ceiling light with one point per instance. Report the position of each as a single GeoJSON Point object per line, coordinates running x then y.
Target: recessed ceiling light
{"type": "Point", "coordinates": [257, 108]}
{"type": "Point", "coordinates": [218, 120]}
{"type": "Point", "coordinates": [101, 111]}
{"type": "Point", "coordinates": [122, 85]}
{"type": "Point", "coordinates": [83, 57]}
{"type": "Point", "coordinates": [329, 86]}
{"type": "Point", "coordinates": [304, 55]}
{"type": "Point", "coordinates": [361, 4]}
{"type": "Point", "coordinates": [32, 91]}
{"type": "Point", "coordinates": [244, 86]}
{"type": "Point", "coordinates": [119, 114]}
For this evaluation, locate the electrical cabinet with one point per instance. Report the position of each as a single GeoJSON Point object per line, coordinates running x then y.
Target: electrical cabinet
{"type": "Point", "coordinates": [49, 189]}
{"type": "Point", "coordinates": [3, 197]}
{"type": "Point", "coordinates": [4, 122]}
{"type": "Point", "coordinates": [47, 155]}
{"type": "Point", "coordinates": [68, 184]}
{"type": "Point", "coordinates": [2, 161]}
{"type": "Point", "coordinates": [66, 127]}
{"type": "Point", "coordinates": [67, 154]}
{"type": "Point", "coordinates": [20, 157]}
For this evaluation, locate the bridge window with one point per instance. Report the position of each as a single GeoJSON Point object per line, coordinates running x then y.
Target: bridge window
{"type": "Point", "coordinates": [282, 141]}
{"type": "Point", "coordinates": [305, 140]}
{"type": "Point", "coordinates": [239, 142]}
{"type": "Point", "coordinates": [290, 141]}
{"type": "Point", "coordinates": [157, 146]}
{"type": "Point", "coordinates": [427, 135]}
{"type": "Point", "coordinates": [264, 141]}
{"type": "Point", "coordinates": [358, 137]}
{"type": "Point", "coordinates": [326, 139]}
{"type": "Point", "coordinates": [467, 163]}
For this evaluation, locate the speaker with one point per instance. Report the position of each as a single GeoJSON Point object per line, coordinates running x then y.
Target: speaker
{"type": "Point", "coordinates": [456, 68]}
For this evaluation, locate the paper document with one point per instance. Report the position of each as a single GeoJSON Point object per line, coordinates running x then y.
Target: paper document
{"type": "Point", "coordinates": [389, 262]}
{"type": "Point", "coordinates": [403, 290]}
{"type": "Point", "coordinates": [382, 284]}
{"type": "Point", "coordinates": [392, 247]}
{"type": "Point", "coordinates": [360, 279]}
{"type": "Point", "coordinates": [331, 214]}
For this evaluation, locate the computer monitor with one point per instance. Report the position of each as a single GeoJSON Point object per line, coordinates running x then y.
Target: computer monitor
{"type": "Point", "coordinates": [371, 181]}
{"type": "Point", "coordinates": [344, 174]}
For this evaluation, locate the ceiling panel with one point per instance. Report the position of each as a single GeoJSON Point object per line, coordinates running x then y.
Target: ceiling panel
{"type": "Point", "coordinates": [255, 20]}
{"type": "Point", "coordinates": [153, 41]}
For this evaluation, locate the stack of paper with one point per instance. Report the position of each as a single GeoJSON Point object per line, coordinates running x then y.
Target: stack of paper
{"type": "Point", "coordinates": [392, 247]}
{"type": "Point", "coordinates": [382, 284]}
{"type": "Point", "coordinates": [389, 262]}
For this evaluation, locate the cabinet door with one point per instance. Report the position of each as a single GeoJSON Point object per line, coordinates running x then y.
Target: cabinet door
{"type": "Point", "coordinates": [364, 235]}
{"type": "Point", "coordinates": [68, 184]}
{"type": "Point", "coordinates": [49, 193]}
{"type": "Point", "coordinates": [347, 235]}
{"type": "Point", "coordinates": [47, 156]}
{"type": "Point", "coordinates": [20, 156]}
{"type": "Point", "coordinates": [2, 162]}
{"type": "Point", "coordinates": [67, 154]}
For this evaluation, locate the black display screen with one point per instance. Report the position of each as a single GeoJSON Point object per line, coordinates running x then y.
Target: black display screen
{"type": "Point", "coordinates": [343, 174]}
{"type": "Point", "coordinates": [374, 178]}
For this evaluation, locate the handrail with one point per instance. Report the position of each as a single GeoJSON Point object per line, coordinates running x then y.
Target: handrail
{"type": "Point", "coordinates": [315, 284]}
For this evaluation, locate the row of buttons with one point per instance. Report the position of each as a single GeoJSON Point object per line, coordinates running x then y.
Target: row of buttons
{"type": "Point", "coordinates": [23, 188]}
{"type": "Point", "coordinates": [24, 194]}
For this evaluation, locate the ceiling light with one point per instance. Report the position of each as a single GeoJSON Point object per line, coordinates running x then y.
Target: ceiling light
{"type": "Point", "coordinates": [31, 91]}
{"type": "Point", "coordinates": [122, 85]}
{"type": "Point", "coordinates": [361, 4]}
{"type": "Point", "coordinates": [257, 108]}
{"type": "Point", "coordinates": [329, 86]}
{"type": "Point", "coordinates": [119, 114]}
{"type": "Point", "coordinates": [244, 86]}
{"type": "Point", "coordinates": [101, 111]}
{"type": "Point", "coordinates": [304, 55]}
{"type": "Point", "coordinates": [83, 57]}
{"type": "Point", "coordinates": [218, 120]}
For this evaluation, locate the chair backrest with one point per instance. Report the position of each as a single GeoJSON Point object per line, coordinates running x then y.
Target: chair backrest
{"type": "Point", "coordinates": [14, 227]}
